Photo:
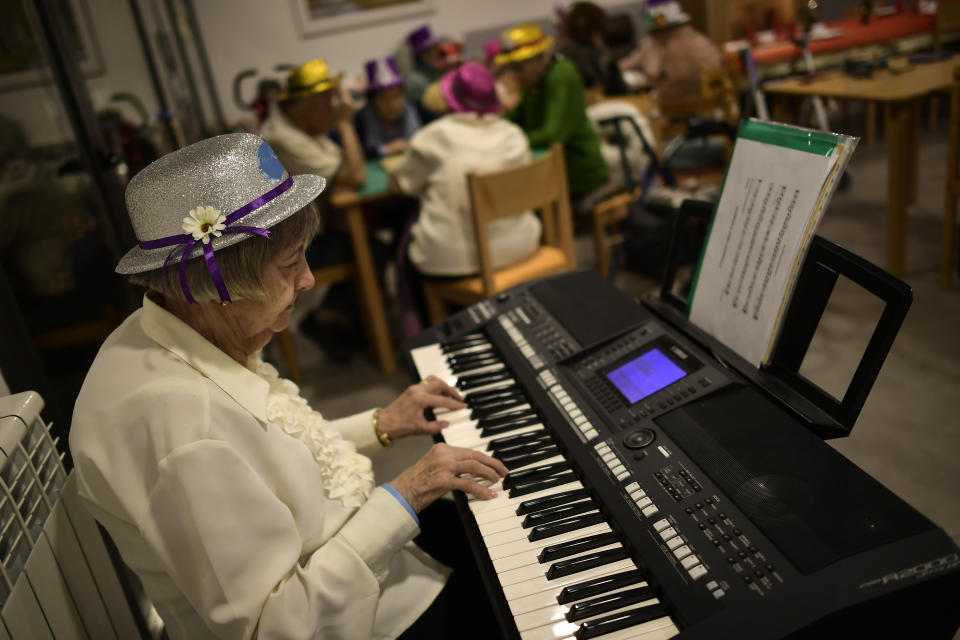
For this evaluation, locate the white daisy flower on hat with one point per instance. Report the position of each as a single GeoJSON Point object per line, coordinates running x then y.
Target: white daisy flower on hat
{"type": "Point", "coordinates": [204, 222]}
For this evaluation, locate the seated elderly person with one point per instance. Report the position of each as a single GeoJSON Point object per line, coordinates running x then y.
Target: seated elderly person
{"type": "Point", "coordinates": [471, 138]}
{"type": "Point", "coordinates": [553, 108]}
{"type": "Point", "coordinates": [243, 511]}
{"type": "Point", "coordinates": [428, 62]}
{"type": "Point", "coordinates": [581, 28]}
{"type": "Point", "coordinates": [673, 53]}
{"type": "Point", "coordinates": [386, 123]}
{"type": "Point", "coordinates": [314, 105]}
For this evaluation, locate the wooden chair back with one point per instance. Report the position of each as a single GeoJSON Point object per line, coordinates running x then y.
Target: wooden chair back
{"type": "Point", "coordinates": [718, 94]}
{"type": "Point", "coordinates": [541, 186]}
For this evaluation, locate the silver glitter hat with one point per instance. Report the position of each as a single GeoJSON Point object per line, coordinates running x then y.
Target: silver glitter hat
{"type": "Point", "coordinates": [207, 196]}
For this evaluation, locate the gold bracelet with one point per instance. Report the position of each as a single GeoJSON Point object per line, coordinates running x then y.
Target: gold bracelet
{"type": "Point", "coordinates": [381, 436]}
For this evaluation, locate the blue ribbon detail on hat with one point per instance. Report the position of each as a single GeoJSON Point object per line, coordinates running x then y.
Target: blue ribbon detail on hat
{"type": "Point", "coordinates": [187, 241]}
{"type": "Point", "coordinates": [270, 166]}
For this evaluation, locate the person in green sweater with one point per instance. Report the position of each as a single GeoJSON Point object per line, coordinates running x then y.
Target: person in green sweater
{"type": "Point", "coordinates": [553, 108]}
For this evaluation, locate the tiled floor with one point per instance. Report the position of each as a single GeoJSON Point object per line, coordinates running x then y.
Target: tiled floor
{"type": "Point", "coordinates": [908, 435]}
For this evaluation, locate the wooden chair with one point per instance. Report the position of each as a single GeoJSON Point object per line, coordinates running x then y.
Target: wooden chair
{"type": "Point", "coordinates": [606, 221]}
{"type": "Point", "coordinates": [540, 185]}
{"type": "Point", "coordinates": [719, 99]}
{"type": "Point", "coordinates": [606, 217]}
{"type": "Point", "coordinates": [949, 242]}
{"type": "Point", "coordinates": [331, 274]}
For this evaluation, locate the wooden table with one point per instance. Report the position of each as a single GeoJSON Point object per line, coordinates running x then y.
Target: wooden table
{"type": "Point", "coordinates": [371, 296]}
{"type": "Point", "coordinates": [900, 94]}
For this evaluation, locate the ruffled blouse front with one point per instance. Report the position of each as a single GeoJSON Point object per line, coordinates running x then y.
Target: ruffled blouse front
{"type": "Point", "coordinates": [347, 475]}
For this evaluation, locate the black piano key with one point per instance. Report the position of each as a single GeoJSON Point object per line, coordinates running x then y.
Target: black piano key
{"type": "Point", "coordinates": [550, 529]}
{"type": "Point", "coordinates": [464, 367]}
{"type": "Point", "coordinates": [609, 602]}
{"type": "Point", "coordinates": [569, 567]}
{"type": "Point", "coordinates": [526, 448]}
{"type": "Point", "coordinates": [475, 380]}
{"type": "Point", "coordinates": [463, 343]}
{"type": "Point", "coordinates": [528, 445]}
{"type": "Point", "coordinates": [484, 374]}
{"type": "Point", "coordinates": [478, 397]}
{"type": "Point", "coordinates": [518, 460]}
{"type": "Point", "coordinates": [536, 504]}
{"type": "Point", "coordinates": [477, 354]}
{"type": "Point", "coordinates": [557, 513]}
{"type": "Point", "coordinates": [518, 439]}
{"type": "Point", "coordinates": [467, 348]}
{"type": "Point", "coordinates": [596, 586]}
{"type": "Point", "coordinates": [493, 396]}
{"type": "Point", "coordinates": [492, 409]}
{"type": "Point", "coordinates": [573, 547]}
{"type": "Point", "coordinates": [486, 432]}
{"type": "Point", "coordinates": [532, 486]}
{"type": "Point", "coordinates": [474, 360]}
{"type": "Point", "coordinates": [609, 624]}
{"type": "Point", "coordinates": [506, 418]}
{"type": "Point", "coordinates": [533, 473]}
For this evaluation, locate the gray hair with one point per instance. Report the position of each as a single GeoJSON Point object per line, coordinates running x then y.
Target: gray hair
{"type": "Point", "coordinates": [241, 264]}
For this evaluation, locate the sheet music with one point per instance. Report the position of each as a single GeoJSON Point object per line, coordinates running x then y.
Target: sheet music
{"type": "Point", "coordinates": [773, 196]}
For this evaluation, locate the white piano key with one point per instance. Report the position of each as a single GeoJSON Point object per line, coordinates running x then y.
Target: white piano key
{"type": "Point", "coordinates": [563, 630]}
{"type": "Point", "coordinates": [503, 498]}
{"type": "Point", "coordinates": [492, 515]}
{"type": "Point", "coordinates": [555, 612]}
{"type": "Point", "coordinates": [429, 360]}
{"type": "Point", "coordinates": [453, 416]}
{"type": "Point", "coordinates": [472, 439]}
{"type": "Point", "coordinates": [516, 522]}
{"type": "Point", "coordinates": [522, 574]}
{"type": "Point", "coordinates": [517, 554]}
{"type": "Point", "coordinates": [503, 537]}
{"type": "Point", "coordinates": [542, 584]}
{"type": "Point", "coordinates": [548, 597]}
{"type": "Point", "coordinates": [501, 524]}
{"type": "Point", "coordinates": [514, 547]}
{"type": "Point", "coordinates": [536, 568]}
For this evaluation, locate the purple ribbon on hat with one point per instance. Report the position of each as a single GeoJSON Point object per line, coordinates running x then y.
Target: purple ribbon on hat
{"type": "Point", "coordinates": [187, 241]}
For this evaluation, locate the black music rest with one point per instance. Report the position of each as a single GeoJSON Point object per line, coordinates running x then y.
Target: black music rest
{"type": "Point", "coordinates": [781, 378]}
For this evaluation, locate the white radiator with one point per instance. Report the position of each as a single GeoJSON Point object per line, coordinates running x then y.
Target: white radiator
{"type": "Point", "coordinates": [56, 577]}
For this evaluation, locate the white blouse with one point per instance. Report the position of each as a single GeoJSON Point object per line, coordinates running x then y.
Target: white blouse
{"type": "Point", "coordinates": [435, 169]}
{"type": "Point", "coordinates": [244, 513]}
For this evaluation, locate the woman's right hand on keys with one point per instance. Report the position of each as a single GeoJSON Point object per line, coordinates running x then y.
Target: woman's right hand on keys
{"type": "Point", "coordinates": [444, 468]}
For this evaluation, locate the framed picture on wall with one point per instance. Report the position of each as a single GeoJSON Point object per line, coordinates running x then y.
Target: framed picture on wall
{"type": "Point", "coordinates": [322, 16]}
{"type": "Point", "coordinates": [23, 61]}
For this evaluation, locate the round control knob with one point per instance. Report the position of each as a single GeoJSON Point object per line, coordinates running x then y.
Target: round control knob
{"type": "Point", "coordinates": [503, 297]}
{"type": "Point", "coordinates": [639, 438]}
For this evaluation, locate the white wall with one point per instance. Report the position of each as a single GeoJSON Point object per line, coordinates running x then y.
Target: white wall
{"type": "Point", "coordinates": [259, 34]}
{"type": "Point", "coordinates": [38, 109]}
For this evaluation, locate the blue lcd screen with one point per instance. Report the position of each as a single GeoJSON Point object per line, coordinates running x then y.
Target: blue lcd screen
{"type": "Point", "coordinates": [647, 374]}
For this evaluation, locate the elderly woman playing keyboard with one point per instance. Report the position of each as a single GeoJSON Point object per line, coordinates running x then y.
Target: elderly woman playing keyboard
{"type": "Point", "coordinates": [243, 511]}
